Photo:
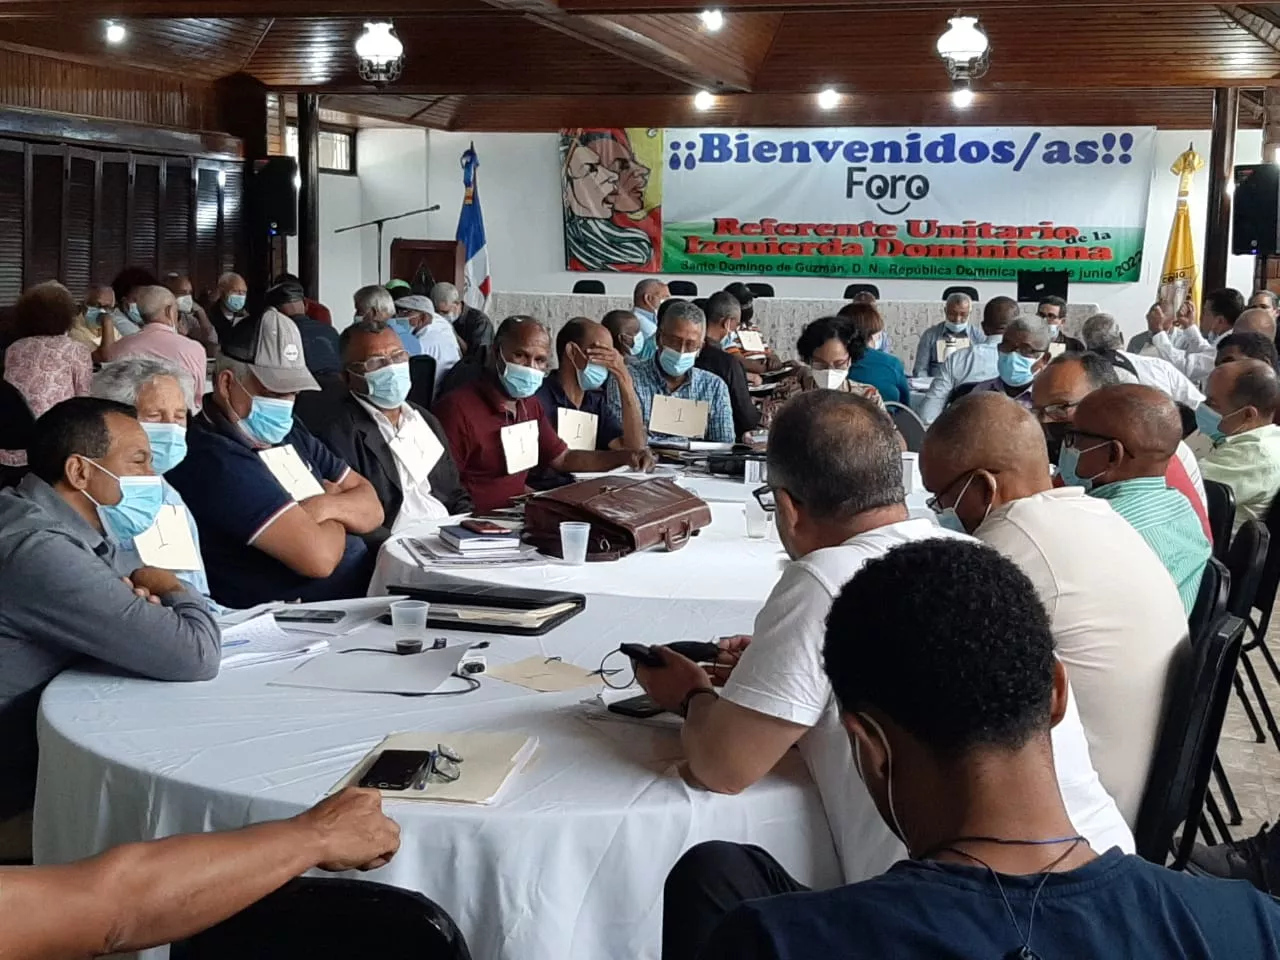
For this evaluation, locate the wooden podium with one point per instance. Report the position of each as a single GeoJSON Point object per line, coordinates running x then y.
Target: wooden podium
{"type": "Point", "coordinates": [432, 261]}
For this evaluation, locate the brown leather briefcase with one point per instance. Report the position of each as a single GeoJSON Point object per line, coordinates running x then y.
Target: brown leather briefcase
{"type": "Point", "coordinates": [626, 514]}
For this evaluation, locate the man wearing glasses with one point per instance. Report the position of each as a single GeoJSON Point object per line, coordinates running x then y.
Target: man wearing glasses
{"type": "Point", "coordinates": [1023, 352]}
{"type": "Point", "coordinates": [398, 446]}
{"type": "Point", "coordinates": [1053, 311]}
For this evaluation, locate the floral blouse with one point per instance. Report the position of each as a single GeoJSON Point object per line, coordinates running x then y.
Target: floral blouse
{"type": "Point", "coordinates": [46, 371]}
{"type": "Point", "coordinates": [802, 382]}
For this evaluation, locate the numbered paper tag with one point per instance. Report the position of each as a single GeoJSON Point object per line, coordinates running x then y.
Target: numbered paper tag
{"type": "Point", "coordinates": [679, 418]}
{"type": "Point", "coordinates": [168, 543]}
{"type": "Point", "coordinates": [945, 348]}
{"type": "Point", "coordinates": [520, 446]}
{"type": "Point", "coordinates": [751, 341]}
{"type": "Point", "coordinates": [577, 429]}
{"type": "Point", "coordinates": [1057, 349]}
{"type": "Point", "coordinates": [291, 473]}
{"type": "Point", "coordinates": [418, 451]}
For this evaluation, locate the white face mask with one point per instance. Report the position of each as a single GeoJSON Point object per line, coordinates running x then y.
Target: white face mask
{"type": "Point", "coordinates": [185, 303]}
{"type": "Point", "coordinates": [830, 379]}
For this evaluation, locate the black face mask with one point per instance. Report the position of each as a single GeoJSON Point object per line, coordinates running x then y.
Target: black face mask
{"type": "Point", "coordinates": [1054, 433]}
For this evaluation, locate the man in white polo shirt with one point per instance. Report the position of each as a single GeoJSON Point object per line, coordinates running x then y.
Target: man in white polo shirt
{"type": "Point", "coordinates": [835, 469]}
{"type": "Point", "coordinates": [1117, 618]}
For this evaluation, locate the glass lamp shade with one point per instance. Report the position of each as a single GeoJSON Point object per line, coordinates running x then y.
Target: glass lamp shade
{"type": "Point", "coordinates": [963, 42]}
{"type": "Point", "coordinates": [381, 53]}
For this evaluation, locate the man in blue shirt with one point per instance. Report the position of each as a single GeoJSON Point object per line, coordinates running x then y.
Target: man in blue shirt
{"type": "Point", "coordinates": [1023, 352]}
{"type": "Point", "coordinates": [942, 339]}
{"type": "Point", "coordinates": [672, 373]}
{"type": "Point", "coordinates": [265, 535]}
{"type": "Point", "coordinates": [941, 659]}
{"type": "Point", "coordinates": [319, 340]}
{"type": "Point", "coordinates": [587, 360]}
{"type": "Point", "coordinates": [649, 295]}
{"type": "Point", "coordinates": [971, 364]}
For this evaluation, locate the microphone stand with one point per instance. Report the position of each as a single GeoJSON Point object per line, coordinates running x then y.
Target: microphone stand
{"type": "Point", "coordinates": [379, 222]}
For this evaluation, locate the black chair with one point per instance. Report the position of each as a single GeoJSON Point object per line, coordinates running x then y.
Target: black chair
{"type": "Point", "coordinates": [853, 289]}
{"type": "Point", "coordinates": [589, 286]}
{"type": "Point", "coordinates": [1221, 505]}
{"type": "Point", "coordinates": [908, 424]}
{"type": "Point", "coordinates": [332, 919]}
{"type": "Point", "coordinates": [970, 292]}
{"type": "Point", "coordinates": [760, 289]}
{"type": "Point", "coordinates": [422, 380]}
{"type": "Point", "coordinates": [683, 288]}
{"type": "Point", "coordinates": [1188, 741]}
{"type": "Point", "coordinates": [319, 408]}
{"type": "Point", "coordinates": [17, 424]}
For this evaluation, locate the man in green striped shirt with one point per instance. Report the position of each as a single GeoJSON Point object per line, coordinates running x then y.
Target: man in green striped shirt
{"type": "Point", "coordinates": [1119, 449]}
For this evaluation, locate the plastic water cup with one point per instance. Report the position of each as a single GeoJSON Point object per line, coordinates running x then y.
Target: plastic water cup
{"type": "Point", "coordinates": [757, 519]}
{"type": "Point", "coordinates": [573, 541]}
{"type": "Point", "coordinates": [409, 619]}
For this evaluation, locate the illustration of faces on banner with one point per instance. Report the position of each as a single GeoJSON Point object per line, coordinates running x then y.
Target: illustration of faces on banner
{"type": "Point", "coordinates": [611, 185]}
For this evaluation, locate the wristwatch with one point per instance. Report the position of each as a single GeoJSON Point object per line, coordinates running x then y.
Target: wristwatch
{"type": "Point", "coordinates": [688, 698]}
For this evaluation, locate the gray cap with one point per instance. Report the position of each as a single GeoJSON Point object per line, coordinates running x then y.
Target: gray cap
{"type": "Point", "coordinates": [272, 347]}
{"type": "Point", "coordinates": [416, 303]}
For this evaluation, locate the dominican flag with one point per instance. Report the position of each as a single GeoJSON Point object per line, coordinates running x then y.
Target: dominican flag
{"type": "Point", "coordinates": [471, 235]}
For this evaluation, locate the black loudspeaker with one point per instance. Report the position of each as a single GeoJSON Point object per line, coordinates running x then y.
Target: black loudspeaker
{"type": "Point", "coordinates": [1255, 218]}
{"type": "Point", "coordinates": [274, 206]}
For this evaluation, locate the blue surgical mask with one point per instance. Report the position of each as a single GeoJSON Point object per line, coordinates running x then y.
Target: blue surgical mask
{"type": "Point", "coordinates": [637, 344]}
{"type": "Point", "coordinates": [675, 363]}
{"type": "Point", "coordinates": [388, 387]}
{"type": "Point", "coordinates": [135, 314]}
{"type": "Point", "coordinates": [235, 302]}
{"type": "Point", "coordinates": [948, 519]}
{"type": "Point", "coordinates": [270, 419]}
{"type": "Point", "coordinates": [957, 328]}
{"type": "Point", "coordinates": [92, 315]}
{"type": "Point", "coordinates": [520, 382]}
{"type": "Point", "coordinates": [877, 341]}
{"type": "Point", "coordinates": [1209, 422]}
{"type": "Point", "coordinates": [168, 445]}
{"type": "Point", "coordinates": [729, 339]}
{"type": "Point", "coordinates": [1068, 467]}
{"type": "Point", "coordinates": [1015, 369]}
{"type": "Point", "coordinates": [140, 501]}
{"type": "Point", "coordinates": [592, 376]}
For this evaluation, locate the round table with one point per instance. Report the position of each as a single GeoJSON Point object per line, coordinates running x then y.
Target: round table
{"type": "Point", "coordinates": [567, 865]}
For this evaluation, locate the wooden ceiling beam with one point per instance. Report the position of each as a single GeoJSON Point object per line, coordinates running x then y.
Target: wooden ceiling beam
{"type": "Point", "coordinates": [1261, 27]}
{"type": "Point", "coordinates": [168, 9]}
{"type": "Point", "coordinates": [612, 7]}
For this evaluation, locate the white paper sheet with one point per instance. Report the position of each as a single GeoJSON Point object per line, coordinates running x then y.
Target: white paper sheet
{"type": "Point", "coordinates": [679, 417]}
{"type": "Point", "coordinates": [578, 430]}
{"type": "Point", "coordinates": [291, 473]}
{"type": "Point", "coordinates": [358, 672]}
{"type": "Point", "coordinates": [168, 543]}
{"type": "Point", "coordinates": [261, 640]}
{"type": "Point", "coordinates": [520, 445]}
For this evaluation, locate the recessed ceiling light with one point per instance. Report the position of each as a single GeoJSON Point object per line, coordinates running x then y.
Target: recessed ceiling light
{"type": "Point", "coordinates": [703, 100]}
{"type": "Point", "coordinates": [116, 32]}
{"type": "Point", "coordinates": [713, 20]}
{"type": "Point", "coordinates": [961, 98]}
{"type": "Point", "coordinates": [828, 98]}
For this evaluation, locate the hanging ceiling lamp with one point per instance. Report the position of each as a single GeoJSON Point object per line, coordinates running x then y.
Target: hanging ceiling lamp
{"type": "Point", "coordinates": [965, 49]}
{"type": "Point", "coordinates": [381, 53]}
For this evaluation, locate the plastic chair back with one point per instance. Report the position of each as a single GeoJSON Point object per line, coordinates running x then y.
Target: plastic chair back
{"type": "Point", "coordinates": [589, 286]}
{"type": "Point", "coordinates": [853, 289]}
{"type": "Point", "coordinates": [332, 919]}
{"type": "Point", "coordinates": [422, 380]}
{"type": "Point", "coordinates": [1247, 561]}
{"type": "Point", "coordinates": [1194, 708]}
{"type": "Point", "coordinates": [683, 288]}
{"type": "Point", "coordinates": [1211, 601]}
{"type": "Point", "coordinates": [1220, 503]}
{"type": "Point", "coordinates": [17, 424]}
{"type": "Point", "coordinates": [908, 424]}
{"type": "Point", "coordinates": [971, 292]}
{"type": "Point", "coordinates": [760, 289]}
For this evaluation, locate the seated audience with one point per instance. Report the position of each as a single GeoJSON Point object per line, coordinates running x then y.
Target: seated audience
{"type": "Point", "coordinates": [835, 473]}
{"type": "Point", "coordinates": [746, 300]}
{"type": "Point", "coordinates": [159, 336]}
{"type": "Point", "coordinates": [972, 364]}
{"type": "Point", "coordinates": [672, 373]}
{"type": "Point", "coordinates": [1141, 343]}
{"type": "Point", "coordinates": [142, 895]}
{"type": "Point", "coordinates": [98, 323]}
{"type": "Point", "coordinates": [827, 347]}
{"type": "Point", "coordinates": [1022, 353]}
{"type": "Point", "coordinates": [472, 326]}
{"type": "Point", "coordinates": [315, 309]}
{"type": "Point", "coordinates": [1053, 311]}
{"type": "Point", "coordinates": [126, 282]}
{"type": "Point", "coordinates": [1266, 300]}
{"type": "Point", "coordinates": [69, 590]}
{"type": "Point", "coordinates": [319, 341]}
{"type": "Point", "coordinates": [160, 393]}
{"type": "Point", "coordinates": [1102, 335]}
{"type": "Point", "coordinates": [625, 330]}
{"type": "Point", "coordinates": [483, 419]}
{"type": "Point", "coordinates": [193, 322]}
{"type": "Point", "coordinates": [1058, 392]}
{"type": "Point", "coordinates": [259, 542]}
{"type": "Point", "coordinates": [1193, 356]}
{"type": "Point", "coordinates": [1256, 320]}
{"type": "Point", "coordinates": [1119, 449]}
{"type": "Point", "coordinates": [1118, 622]}
{"type": "Point", "coordinates": [942, 339]}
{"type": "Point", "coordinates": [227, 308]}
{"type": "Point", "coordinates": [44, 364]}
{"type": "Point", "coordinates": [874, 364]}
{"type": "Point", "coordinates": [1237, 415]}
{"type": "Point", "coordinates": [435, 334]}
{"type": "Point", "coordinates": [724, 315]}
{"type": "Point", "coordinates": [375, 304]}
{"type": "Point", "coordinates": [586, 361]}
{"type": "Point", "coordinates": [397, 446]}
{"type": "Point", "coordinates": [1246, 346]}
{"type": "Point", "coordinates": [941, 662]}
{"type": "Point", "coordinates": [398, 288]}
{"type": "Point", "coordinates": [647, 297]}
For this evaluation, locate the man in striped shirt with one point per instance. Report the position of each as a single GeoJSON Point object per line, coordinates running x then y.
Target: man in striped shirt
{"type": "Point", "coordinates": [1119, 449]}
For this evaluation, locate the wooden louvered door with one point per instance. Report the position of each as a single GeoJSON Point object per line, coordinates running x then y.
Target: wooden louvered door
{"type": "Point", "coordinates": [80, 200]}
{"type": "Point", "coordinates": [13, 178]}
{"type": "Point", "coordinates": [111, 225]}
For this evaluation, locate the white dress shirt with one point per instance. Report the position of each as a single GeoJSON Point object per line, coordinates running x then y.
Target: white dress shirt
{"type": "Point", "coordinates": [1163, 375]}
{"type": "Point", "coordinates": [1193, 357]}
{"type": "Point", "coordinates": [415, 449]}
{"type": "Point", "coordinates": [971, 365]}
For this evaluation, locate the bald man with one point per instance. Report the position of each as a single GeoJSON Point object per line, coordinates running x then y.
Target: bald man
{"type": "Point", "coordinates": [1119, 450]}
{"type": "Point", "coordinates": [1256, 320]}
{"type": "Point", "coordinates": [1116, 615]}
{"type": "Point", "coordinates": [1243, 397]}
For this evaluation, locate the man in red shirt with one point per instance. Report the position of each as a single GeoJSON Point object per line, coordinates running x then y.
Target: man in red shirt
{"type": "Point", "coordinates": [498, 431]}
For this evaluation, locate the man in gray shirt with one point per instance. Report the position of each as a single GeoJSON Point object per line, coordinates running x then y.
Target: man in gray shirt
{"type": "Point", "coordinates": [68, 592]}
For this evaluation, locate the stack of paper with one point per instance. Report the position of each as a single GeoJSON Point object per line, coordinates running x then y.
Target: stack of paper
{"type": "Point", "coordinates": [260, 640]}
{"type": "Point", "coordinates": [432, 551]}
{"type": "Point", "coordinates": [499, 616]}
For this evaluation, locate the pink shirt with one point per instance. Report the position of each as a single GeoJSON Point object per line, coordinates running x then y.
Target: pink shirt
{"type": "Point", "coordinates": [46, 371]}
{"type": "Point", "coordinates": [161, 340]}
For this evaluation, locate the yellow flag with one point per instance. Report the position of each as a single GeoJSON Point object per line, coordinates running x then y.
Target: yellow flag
{"type": "Point", "coordinates": [1180, 278]}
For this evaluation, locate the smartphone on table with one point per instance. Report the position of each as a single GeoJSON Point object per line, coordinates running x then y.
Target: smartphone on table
{"type": "Point", "coordinates": [641, 708]}
{"type": "Point", "coordinates": [396, 769]}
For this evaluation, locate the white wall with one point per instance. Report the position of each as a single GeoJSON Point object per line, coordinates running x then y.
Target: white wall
{"type": "Point", "coordinates": [346, 259]}
{"type": "Point", "coordinates": [392, 164]}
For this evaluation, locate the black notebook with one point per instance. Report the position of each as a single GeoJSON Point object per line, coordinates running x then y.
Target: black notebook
{"type": "Point", "coordinates": [458, 604]}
